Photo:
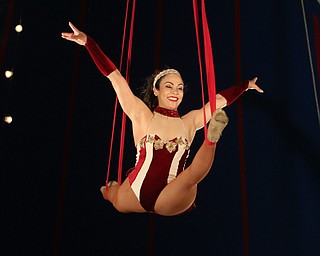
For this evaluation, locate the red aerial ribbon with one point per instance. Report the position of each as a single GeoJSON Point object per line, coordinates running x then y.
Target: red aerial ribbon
{"type": "Point", "coordinates": [209, 63]}
{"type": "Point", "coordinates": [128, 63]}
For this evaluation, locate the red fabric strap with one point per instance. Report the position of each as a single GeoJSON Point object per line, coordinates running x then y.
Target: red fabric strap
{"type": "Point", "coordinates": [209, 64]}
{"type": "Point", "coordinates": [211, 82]}
{"type": "Point", "coordinates": [104, 64]}
{"type": "Point", "coordinates": [124, 116]}
{"type": "Point", "coordinates": [234, 92]}
{"type": "Point", "coordinates": [123, 122]}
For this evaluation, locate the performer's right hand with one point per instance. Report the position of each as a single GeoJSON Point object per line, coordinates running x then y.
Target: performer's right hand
{"type": "Point", "coordinates": [77, 36]}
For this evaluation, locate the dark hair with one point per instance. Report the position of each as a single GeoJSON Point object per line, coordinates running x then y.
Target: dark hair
{"type": "Point", "coordinates": [147, 94]}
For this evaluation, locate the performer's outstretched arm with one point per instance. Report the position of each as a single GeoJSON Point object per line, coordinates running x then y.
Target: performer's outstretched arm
{"type": "Point", "coordinates": [130, 104]}
{"type": "Point", "coordinates": [234, 92]}
{"type": "Point", "coordinates": [226, 98]}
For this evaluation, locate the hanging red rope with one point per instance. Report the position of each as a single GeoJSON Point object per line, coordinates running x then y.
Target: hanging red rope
{"type": "Point", "coordinates": [128, 64]}
{"type": "Point", "coordinates": [209, 63]}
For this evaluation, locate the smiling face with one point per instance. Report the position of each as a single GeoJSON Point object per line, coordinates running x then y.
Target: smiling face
{"type": "Point", "coordinates": [170, 92]}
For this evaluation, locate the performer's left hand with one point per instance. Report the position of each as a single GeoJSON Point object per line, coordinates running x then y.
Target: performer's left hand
{"type": "Point", "coordinates": [253, 85]}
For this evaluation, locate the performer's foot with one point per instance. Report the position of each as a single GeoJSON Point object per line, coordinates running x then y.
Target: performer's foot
{"type": "Point", "coordinates": [111, 183]}
{"type": "Point", "coordinates": [218, 122]}
{"type": "Point", "coordinates": [104, 190]}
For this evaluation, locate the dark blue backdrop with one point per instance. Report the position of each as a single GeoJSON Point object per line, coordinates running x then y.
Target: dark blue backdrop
{"type": "Point", "coordinates": [54, 154]}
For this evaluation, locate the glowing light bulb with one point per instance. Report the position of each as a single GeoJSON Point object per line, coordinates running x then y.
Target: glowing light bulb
{"type": "Point", "coordinates": [19, 28]}
{"type": "Point", "coordinates": [8, 74]}
{"type": "Point", "coordinates": [8, 119]}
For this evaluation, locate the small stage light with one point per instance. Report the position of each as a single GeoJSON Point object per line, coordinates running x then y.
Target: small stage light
{"type": "Point", "coordinates": [8, 119]}
{"type": "Point", "coordinates": [8, 74]}
{"type": "Point", "coordinates": [19, 28]}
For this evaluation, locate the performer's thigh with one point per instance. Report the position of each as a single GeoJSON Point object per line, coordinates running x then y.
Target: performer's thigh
{"type": "Point", "coordinates": [176, 197]}
{"type": "Point", "coordinates": [126, 200]}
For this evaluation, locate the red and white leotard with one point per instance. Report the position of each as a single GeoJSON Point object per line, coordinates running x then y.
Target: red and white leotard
{"type": "Point", "coordinates": [158, 161]}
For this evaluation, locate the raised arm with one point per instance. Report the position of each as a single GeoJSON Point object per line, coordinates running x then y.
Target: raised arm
{"type": "Point", "coordinates": [226, 98]}
{"type": "Point", "coordinates": [130, 104]}
{"type": "Point", "coordinates": [234, 92]}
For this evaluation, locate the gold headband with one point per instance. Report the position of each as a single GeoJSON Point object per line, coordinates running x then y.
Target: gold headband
{"type": "Point", "coordinates": [164, 73]}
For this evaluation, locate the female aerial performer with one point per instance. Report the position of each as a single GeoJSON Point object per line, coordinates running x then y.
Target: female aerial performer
{"type": "Point", "coordinates": [159, 182]}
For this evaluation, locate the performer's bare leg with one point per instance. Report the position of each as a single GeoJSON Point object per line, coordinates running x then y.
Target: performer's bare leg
{"type": "Point", "coordinates": [180, 194]}
{"type": "Point", "coordinates": [122, 197]}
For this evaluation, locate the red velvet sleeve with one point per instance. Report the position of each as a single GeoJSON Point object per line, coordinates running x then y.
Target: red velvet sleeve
{"type": "Point", "coordinates": [104, 64]}
{"type": "Point", "coordinates": [234, 92]}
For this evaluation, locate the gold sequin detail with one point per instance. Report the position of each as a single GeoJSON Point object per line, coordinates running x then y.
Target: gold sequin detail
{"type": "Point", "coordinates": [158, 144]}
{"type": "Point", "coordinates": [141, 143]}
{"type": "Point", "coordinates": [171, 146]}
{"type": "Point", "coordinates": [150, 139]}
